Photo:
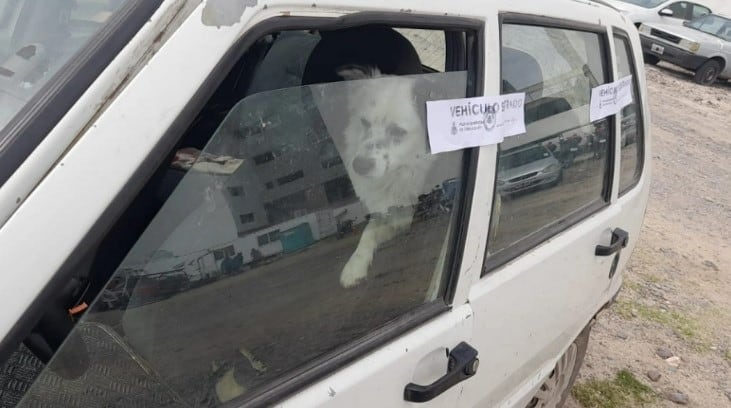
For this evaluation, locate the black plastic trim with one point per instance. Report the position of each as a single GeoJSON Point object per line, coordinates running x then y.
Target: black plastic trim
{"type": "Point", "coordinates": [496, 260]}
{"type": "Point", "coordinates": [342, 356]}
{"type": "Point", "coordinates": [550, 22]}
{"type": "Point", "coordinates": [640, 169]}
{"type": "Point", "coordinates": [45, 109]}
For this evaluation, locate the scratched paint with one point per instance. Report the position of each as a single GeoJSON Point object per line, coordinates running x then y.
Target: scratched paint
{"type": "Point", "coordinates": [225, 12]}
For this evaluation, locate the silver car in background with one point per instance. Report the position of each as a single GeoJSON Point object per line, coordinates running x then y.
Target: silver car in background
{"type": "Point", "coordinates": [702, 45]}
{"type": "Point", "coordinates": [670, 12]}
{"type": "Point", "coordinates": [527, 169]}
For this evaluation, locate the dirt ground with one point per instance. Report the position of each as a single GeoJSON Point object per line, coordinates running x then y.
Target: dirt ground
{"type": "Point", "coordinates": [677, 290]}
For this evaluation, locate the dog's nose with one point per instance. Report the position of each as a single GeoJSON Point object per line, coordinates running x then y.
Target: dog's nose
{"type": "Point", "coordinates": [363, 165]}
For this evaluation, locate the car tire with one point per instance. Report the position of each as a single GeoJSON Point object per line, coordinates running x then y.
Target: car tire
{"type": "Point", "coordinates": [651, 59]}
{"type": "Point", "coordinates": [707, 73]}
{"type": "Point", "coordinates": [556, 389]}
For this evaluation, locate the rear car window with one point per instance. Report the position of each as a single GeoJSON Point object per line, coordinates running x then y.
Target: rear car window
{"type": "Point", "coordinates": [631, 137]}
{"type": "Point", "coordinates": [560, 168]}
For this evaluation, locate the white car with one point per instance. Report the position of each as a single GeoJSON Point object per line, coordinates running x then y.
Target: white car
{"type": "Point", "coordinates": [702, 45]}
{"type": "Point", "coordinates": [198, 130]}
{"type": "Point", "coordinates": [659, 11]}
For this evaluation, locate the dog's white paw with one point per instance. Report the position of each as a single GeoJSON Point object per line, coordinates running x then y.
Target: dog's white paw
{"type": "Point", "coordinates": [354, 271]}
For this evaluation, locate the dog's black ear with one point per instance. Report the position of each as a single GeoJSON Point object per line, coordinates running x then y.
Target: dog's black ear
{"type": "Point", "coordinates": [352, 72]}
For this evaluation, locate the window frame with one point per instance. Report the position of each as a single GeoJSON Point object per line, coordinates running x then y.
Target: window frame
{"type": "Point", "coordinates": [624, 36]}
{"type": "Point", "coordinates": [30, 126]}
{"type": "Point", "coordinates": [493, 262]}
{"type": "Point", "coordinates": [474, 52]}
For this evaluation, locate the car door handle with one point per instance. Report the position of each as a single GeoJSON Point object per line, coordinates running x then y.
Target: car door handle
{"type": "Point", "coordinates": [462, 364]}
{"type": "Point", "coordinates": [620, 238]}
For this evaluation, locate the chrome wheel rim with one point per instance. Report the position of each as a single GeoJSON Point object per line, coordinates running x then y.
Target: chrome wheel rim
{"type": "Point", "coordinates": [551, 392]}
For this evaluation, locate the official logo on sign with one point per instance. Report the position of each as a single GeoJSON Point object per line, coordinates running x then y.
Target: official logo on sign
{"type": "Point", "coordinates": [490, 120]}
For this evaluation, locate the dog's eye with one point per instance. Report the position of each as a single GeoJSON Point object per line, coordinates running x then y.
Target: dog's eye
{"type": "Point", "coordinates": [397, 133]}
{"type": "Point", "coordinates": [366, 124]}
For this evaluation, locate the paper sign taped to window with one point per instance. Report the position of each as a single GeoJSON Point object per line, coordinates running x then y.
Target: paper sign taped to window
{"type": "Point", "coordinates": [609, 99]}
{"type": "Point", "coordinates": [463, 123]}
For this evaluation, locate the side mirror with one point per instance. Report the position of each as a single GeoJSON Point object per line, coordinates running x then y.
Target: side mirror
{"type": "Point", "coordinates": [686, 23]}
{"type": "Point", "coordinates": [666, 12]}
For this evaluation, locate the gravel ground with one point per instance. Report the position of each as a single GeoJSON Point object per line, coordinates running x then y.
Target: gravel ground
{"type": "Point", "coordinates": [676, 300]}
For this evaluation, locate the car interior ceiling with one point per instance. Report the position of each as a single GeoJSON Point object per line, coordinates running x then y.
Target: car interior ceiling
{"type": "Point", "coordinates": [329, 50]}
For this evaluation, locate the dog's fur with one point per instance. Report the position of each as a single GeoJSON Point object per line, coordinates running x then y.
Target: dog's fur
{"type": "Point", "coordinates": [385, 154]}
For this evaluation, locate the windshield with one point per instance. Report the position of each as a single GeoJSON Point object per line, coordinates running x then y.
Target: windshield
{"type": "Point", "coordinates": [714, 25]}
{"type": "Point", "coordinates": [37, 38]}
{"type": "Point", "coordinates": [645, 3]}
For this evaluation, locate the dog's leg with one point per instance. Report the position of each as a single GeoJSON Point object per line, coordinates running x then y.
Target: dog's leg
{"type": "Point", "coordinates": [378, 231]}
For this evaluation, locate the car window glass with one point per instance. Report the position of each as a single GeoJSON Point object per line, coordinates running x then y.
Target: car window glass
{"type": "Point", "coordinates": [559, 168]}
{"type": "Point", "coordinates": [235, 284]}
{"type": "Point", "coordinates": [714, 25]}
{"type": "Point", "coordinates": [631, 140]}
{"type": "Point", "coordinates": [429, 45]}
{"type": "Point", "coordinates": [680, 10]}
{"type": "Point", "coordinates": [38, 38]}
{"type": "Point", "coordinates": [699, 11]}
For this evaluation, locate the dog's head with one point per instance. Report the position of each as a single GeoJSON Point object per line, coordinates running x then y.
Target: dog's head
{"type": "Point", "coordinates": [385, 132]}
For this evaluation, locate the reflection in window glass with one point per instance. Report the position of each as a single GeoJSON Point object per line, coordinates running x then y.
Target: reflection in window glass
{"type": "Point", "coordinates": [559, 167]}
{"type": "Point", "coordinates": [322, 260]}
{"type": "Point", "coordinates": [37, 38]}
{"type": "Point", "coordinates": [630, 168]}
{"type": "Point", "coordinates": [429, 44]}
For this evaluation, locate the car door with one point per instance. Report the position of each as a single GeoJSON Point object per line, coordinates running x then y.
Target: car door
{"type": "Point", "coordinates": [243, 208]}
{"type": "Point", "coordinates": [554, 211]}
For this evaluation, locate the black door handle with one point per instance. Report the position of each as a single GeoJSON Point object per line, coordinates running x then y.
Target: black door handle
{"type": "Point", "coordinates": [462, 364]}
{"type": "Point", "coordinates": [620, 238]}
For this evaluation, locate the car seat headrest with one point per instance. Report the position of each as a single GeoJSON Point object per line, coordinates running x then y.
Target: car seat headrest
{"type": "Point", "coordinates": [521, 71]}
{"type": "Point", "coordinates": [375, 46]}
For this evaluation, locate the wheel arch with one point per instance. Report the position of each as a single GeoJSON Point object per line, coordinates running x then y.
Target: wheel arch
{"type": "Point", "coordinates": [720, 59]}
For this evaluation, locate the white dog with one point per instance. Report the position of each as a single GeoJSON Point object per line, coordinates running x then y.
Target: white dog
{"type": "Point", "coordinates": [386, 156]}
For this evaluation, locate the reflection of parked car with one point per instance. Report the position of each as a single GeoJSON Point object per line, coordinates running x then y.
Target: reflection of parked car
{"type": "Point", "coordinates": [528, 168]}
{"type": "Point", "coordinates": [117, 292]}
{"type": "Point", "coordinates": [129, 290]}
{"type": "Point", "coordinates": [659, 11]}
{"type": "Point", "coordinates": [702, 45]}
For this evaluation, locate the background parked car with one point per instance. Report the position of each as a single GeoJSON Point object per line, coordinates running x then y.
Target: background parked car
{"type": "Point", "coordinates": [528, 168]}
{"type": "Point", "coordinates": [659, 11]}
{"type": "Point", "coordinates": [702, 45]}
